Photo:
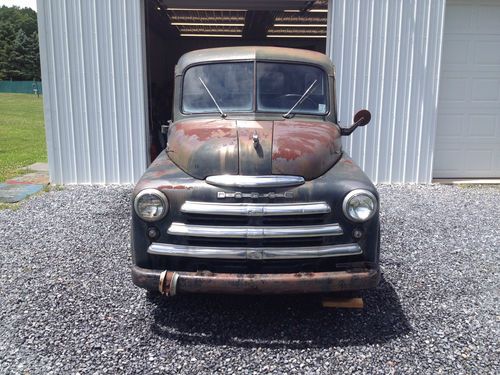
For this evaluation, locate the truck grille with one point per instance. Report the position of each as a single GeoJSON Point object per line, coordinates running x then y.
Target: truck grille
{"type": "Point", "coordinates": [254, 225]}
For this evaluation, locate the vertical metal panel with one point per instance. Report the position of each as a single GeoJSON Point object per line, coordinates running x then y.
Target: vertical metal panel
{"type": "Point", "coordinates": [93, 69]}
{"type": "Point", "coordinates": [387, 54]}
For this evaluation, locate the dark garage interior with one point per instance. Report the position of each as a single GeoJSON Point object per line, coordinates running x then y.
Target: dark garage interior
{"type": "Point", "coordinates": [174, 27]}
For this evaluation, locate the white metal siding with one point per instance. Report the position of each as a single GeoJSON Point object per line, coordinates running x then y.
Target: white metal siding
{"type": "Point", "coordinates": [387, 54]}
{"type": "Point", "coordinates": [93, 73]}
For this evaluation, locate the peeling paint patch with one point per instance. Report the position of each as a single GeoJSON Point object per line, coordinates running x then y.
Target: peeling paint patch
{"type": "Point", "coordinates": [305, 149]}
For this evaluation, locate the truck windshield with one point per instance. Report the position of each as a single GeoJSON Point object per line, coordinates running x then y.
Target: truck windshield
{"type": "Point", "coordinates": [284, 88]}
{"type": "Point", "coordinates": [228, 86]}
{"type": "Point", "coordinates": [291, 88]}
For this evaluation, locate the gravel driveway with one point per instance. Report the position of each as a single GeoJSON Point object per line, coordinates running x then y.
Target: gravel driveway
{"type": "Point", "coordinates": [67, 304]}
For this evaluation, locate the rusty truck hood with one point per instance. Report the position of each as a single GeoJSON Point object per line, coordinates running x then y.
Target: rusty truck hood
{"type": "Point", "coordinates": [204, 147]}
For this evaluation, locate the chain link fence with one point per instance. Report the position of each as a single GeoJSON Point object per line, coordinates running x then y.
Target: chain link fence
{"type": "Point", "coordinates": [21, 87]}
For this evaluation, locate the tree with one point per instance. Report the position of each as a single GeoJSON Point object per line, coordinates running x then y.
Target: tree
{"type": "Point", "coordinates": [34, 57]}
{"type": "Point", "coordinates": [7, 36]}
{"type": "Point", "coordinates": [19, 52]}
{"type": "Point", "coordinates": [18, 67]}
{"type": "Point", "coordinates": [22, 18]}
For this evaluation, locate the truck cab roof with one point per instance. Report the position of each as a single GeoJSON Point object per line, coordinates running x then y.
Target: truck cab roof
{"type": "Point", "coordinates": [253, 53]}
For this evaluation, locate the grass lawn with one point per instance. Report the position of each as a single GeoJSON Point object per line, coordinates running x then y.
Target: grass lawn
{"type": "Point", "coordinates": [22, 133]}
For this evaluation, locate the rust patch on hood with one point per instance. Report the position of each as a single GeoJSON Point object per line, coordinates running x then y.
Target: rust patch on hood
{"type": "Point", "coordinates": [305, 149]}
{"type": "Point", "coordinates": [204, 134]}
{"type": "Point", "coordinates": [204, 147]}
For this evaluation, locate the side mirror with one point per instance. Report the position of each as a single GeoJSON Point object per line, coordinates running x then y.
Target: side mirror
{"type": "Point", "coordinates": [361, 118]}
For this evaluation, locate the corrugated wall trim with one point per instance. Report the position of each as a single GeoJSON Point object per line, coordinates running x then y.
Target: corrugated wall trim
{"type": "Point", "coordinates": [93, 69]}
{"type": "Point", "coordinates": [387, 55]}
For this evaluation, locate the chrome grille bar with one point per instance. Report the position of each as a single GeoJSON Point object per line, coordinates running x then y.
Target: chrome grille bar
{"type": "Point", "coordinates": [255, 253]}
{"type": "Point", "coordinates": [255, 209]}
{"type": "Point", "coordinates": [254, 181]}
{"type": "Point", "coordinates": [181, 229]}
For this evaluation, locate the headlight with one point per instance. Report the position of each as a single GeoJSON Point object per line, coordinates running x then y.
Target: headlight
{"type": "Point", "coordinates": [359, 205]}
{"type": "Point", "coordinates": [151, 205]}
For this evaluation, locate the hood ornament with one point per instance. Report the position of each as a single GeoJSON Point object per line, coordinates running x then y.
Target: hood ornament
{"type": "Point", "coordinates": [255, 138]}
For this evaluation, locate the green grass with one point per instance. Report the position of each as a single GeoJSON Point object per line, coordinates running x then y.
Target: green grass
{"type": "Point", "coordinates": [22, 133]}
{"type": "Point", "coordinates": [10, 206]}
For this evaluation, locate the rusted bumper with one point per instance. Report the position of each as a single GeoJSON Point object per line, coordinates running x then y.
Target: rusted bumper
{"type": "Point", "coordinates": [172, 282]}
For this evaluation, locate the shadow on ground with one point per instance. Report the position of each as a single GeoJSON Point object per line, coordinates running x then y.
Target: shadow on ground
{"type": "Point", "coordinates": [285, 321]}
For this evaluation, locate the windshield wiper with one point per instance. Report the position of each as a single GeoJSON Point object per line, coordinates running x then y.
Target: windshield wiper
{"type": "Point", "coordinates": [223, 115]}
{"type": "Point", "coordinates": [302, 98]}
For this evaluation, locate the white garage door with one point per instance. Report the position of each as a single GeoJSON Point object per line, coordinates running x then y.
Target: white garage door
{"type": "Point", "coordinates": [468, 129]}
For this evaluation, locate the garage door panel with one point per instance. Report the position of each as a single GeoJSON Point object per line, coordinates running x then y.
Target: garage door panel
{"type": "Point", "coordinates": [486, 18]}
{"type": "Point", "coordinates": [487, 52]}
{"type": "Point", "coordinates": [458, 18]}
{"type": "Point", "coordinates": [456, 127]}
{"type": "Point", "coordinates": [484, 89]}
{"type": "Point", "coordinates": [468, 129]}
{"type": "Point", "coordinates": [479, 160]}
{"type": "Point", "coordinates": [455, 90]}
{"type": "Point", "coordinates": [496, 161]}
{"type": "Point", "coordinates": [486, 144]}
{"type": "Point", "coordinates": [455, 53]}
{"type": "Point", "coordinates": [450, 125]}
{"type": "Point", "coordinates": [483, 126]}
{"type": "Point", "coordinates": [448, 160]}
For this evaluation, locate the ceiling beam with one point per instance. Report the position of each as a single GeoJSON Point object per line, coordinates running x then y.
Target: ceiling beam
{"type": "Point", "coordinates": [240, 4]}
{"type": "Point", "coordinates": [257, 23]}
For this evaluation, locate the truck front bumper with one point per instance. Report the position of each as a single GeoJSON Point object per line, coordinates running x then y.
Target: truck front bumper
{"type": "Point", "coordinates": [171, 282]}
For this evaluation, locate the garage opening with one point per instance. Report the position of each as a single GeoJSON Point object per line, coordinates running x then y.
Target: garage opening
{"type": "Point", "coordinates": [174, 27]}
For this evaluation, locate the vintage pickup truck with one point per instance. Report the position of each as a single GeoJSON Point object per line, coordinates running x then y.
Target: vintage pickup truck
{"type": "Point", "coordinates": [253, 193]}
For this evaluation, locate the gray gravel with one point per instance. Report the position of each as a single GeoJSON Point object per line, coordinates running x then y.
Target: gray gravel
{"type": "Point", "coordinates": [67, 304]}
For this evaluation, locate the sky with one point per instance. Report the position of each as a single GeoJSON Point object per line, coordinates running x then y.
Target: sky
{"type": "Point", "coordinates": [20, 3]}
